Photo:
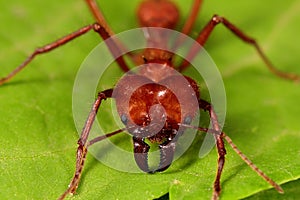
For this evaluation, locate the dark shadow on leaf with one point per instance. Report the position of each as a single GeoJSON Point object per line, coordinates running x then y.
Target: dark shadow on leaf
{"type": "Point", "coordinates": [164, 197]}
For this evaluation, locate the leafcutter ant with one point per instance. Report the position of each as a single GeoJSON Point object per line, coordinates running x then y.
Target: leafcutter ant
{"type": "Point", "coordinates": [138, 117]}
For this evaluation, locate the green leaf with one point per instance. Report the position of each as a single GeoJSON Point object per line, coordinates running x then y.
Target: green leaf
{"type": "Point", "coordinates": [291, 190]}
{"type": "Point", "coordinates": [38, 135]}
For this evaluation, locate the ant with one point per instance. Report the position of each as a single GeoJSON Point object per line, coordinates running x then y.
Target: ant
{"type": "Point", "coordinates": [135, 117]}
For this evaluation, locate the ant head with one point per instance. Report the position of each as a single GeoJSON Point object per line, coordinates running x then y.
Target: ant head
{"type": "Point", "coordinates": [158, 13]}
{"type": "Point", "coordinates": [151, 109]}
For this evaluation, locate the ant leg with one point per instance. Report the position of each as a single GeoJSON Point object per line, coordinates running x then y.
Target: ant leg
{"type": "Point", "coordinates": [219, 135]}
{"type": "Point", "coordinates": [95, 9]}
{"type": "Point", "coordinates": [46, 49]}
{"type": "Point", "coordinates": [51, 46]}
{"type": "Point", "coordinates": [112, 45]}
{"type": "Point", "coordinates": [187, 27]}
{"type": "Point", "coordinates": [97, 139]}
{"type": "Point", "coordinates": [83, 144]}
{"type": "Point", "coordinates": [192, 17]}
{"type": "Point", "coordinates": [219, 143]}
{"type": "Point", "coordinates": [205, 33]}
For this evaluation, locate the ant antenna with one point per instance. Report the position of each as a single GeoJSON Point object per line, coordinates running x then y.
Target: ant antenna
{"type": "Point", "coordinates": [243, 156]}
{"type": "Point", "coordinates": [102, 137]}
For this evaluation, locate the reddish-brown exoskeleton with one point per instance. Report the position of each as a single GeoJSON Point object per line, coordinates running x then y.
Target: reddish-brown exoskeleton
{"type": "Point", "coordinates": [138, 115]}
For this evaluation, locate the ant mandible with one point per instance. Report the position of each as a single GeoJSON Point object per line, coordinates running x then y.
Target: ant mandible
{"type": "Point", "coordinates": [163, 14]}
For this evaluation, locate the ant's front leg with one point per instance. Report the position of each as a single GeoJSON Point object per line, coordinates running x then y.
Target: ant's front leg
{"type": "Point", "coordinates": [218, 134]}
{"type": "Point", "coordinates": [83, 144]}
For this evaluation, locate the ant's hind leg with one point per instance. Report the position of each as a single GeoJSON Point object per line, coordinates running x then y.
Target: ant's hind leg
{"type": "Point", "coordinates": [190, 21]}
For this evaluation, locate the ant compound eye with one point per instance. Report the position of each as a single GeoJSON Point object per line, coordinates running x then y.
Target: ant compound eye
{"type": "Point", "coordinates": [124, 119]}
{"type": "Point", "coordinates": [187, 120]}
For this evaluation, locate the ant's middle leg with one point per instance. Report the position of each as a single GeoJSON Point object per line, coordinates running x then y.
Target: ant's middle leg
{"type": "Point", "coordinates": [45, 49]}
{"type": "Point", "coordinates": [206, 32]}
{"type": "Point", "coordinates": [113, 47]}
